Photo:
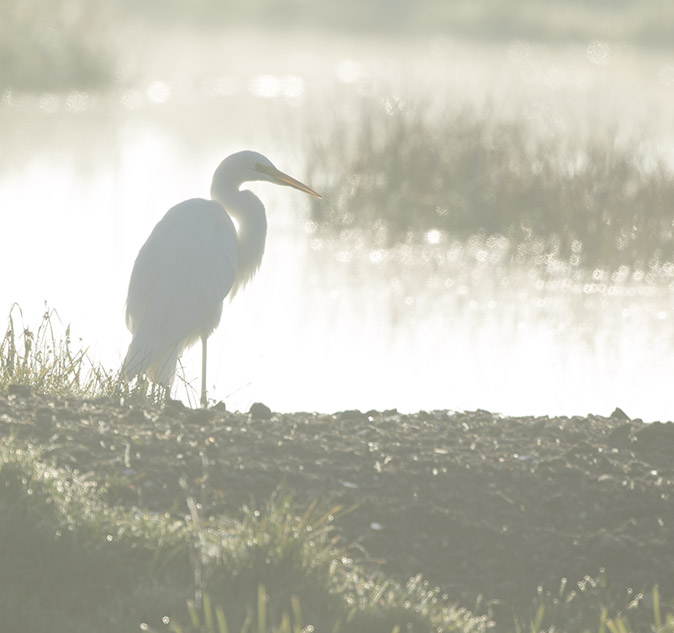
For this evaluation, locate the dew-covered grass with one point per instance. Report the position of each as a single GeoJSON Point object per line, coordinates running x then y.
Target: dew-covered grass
{"type": "Point", "coordinates": [73, 560]}
{"type": "Point", "coordinates": [45, 359]}
{"type": "Point", "coordinates": [72, 563]}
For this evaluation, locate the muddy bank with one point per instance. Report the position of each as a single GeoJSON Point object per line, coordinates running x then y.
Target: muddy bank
{"type": "Point", "coordinates": [478, 503]}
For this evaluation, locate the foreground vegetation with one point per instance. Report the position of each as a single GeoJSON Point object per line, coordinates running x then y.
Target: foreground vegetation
{"type": "Point", "coordinates": [84, 551]}
{"type": "Point", "coordinates": [44, 359]}
{"type": "Point", "coordinates": [70, 562]}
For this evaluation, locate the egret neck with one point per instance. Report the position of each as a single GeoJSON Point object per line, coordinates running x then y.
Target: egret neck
{"type": "Point", "coordinates": [249, 216]}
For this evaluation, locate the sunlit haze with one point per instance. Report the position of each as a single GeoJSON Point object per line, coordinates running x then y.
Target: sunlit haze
{"type": "Point", "coordinates": [382, 294]}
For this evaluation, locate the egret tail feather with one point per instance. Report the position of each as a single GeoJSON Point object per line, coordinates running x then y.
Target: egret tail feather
{"type": "Point", "coordinates": [144, 358]}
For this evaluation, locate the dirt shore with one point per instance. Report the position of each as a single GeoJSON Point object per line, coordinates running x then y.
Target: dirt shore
{"type": "Point", "coordinates": [476, 502]}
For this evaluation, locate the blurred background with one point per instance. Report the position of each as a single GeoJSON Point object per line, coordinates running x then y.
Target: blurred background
{"type": "Point", "coordinates": [496, 229]}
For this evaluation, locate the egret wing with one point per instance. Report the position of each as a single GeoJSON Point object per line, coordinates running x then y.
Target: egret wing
{"type": "Point", "coordinates": [180, 278]}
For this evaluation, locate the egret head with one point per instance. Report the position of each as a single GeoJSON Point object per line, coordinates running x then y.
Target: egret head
{"type": "Point", "coordinates": [247, 166]}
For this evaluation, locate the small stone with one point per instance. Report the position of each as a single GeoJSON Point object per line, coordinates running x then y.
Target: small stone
{"type": "Point", "coordinates": [44, 416]}
{"type": "Point", "coordinates": [351, 414]}
{"type": "Point", "coordinates": [24, 391]}
{"type": "Point", "coordinates": [136, 416]}
{"type": "Point", "coordinates": [620, 435]}
{"type": "Point", "coordinates": [260, 411]}
{"type": "Point", "coordinates": [657, 436]}
{"type": "Point", "coordinates": [619, 414]}
{"type": "Point", "coordinates": [175, 405]}
{"type": "Point", "coordinates": [199, 416]}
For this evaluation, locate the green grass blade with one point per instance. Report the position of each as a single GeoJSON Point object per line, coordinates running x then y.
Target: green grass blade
{"type": "Point", "coordinates": [208, 614]}
{"type": "Point", "coordinates": [222, 621]}
{"type": "Point", "coordinates": [657, 615]}
{"type": "Point", "coordinates": [261, 609]}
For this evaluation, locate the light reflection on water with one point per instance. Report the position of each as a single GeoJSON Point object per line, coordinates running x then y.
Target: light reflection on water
{"type": "Point", "coordinates": [473, 332]}
{"type": "Point", "coordinates": [329, 323]}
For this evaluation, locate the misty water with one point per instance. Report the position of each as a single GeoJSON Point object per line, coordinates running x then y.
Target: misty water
{"type": "Point", "coordinates": [335, 320]}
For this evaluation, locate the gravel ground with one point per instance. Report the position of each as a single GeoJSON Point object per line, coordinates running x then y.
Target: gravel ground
{"type": "Point", "coordinates": [477, 502]}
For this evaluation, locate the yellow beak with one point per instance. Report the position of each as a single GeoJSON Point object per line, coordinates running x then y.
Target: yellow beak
{"type": "Point", "coordinates": [280, 178]}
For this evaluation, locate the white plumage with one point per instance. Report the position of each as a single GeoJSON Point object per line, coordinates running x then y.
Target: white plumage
{"type": "Point", "coordinates": [191, 261]}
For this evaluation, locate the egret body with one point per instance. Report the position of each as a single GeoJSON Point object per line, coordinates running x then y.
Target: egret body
{"type": "Point", "coordinates": [192, 260]}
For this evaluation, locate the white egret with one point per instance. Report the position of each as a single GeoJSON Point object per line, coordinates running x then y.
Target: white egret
{"type": "Point", "coordinates": [191, 261]}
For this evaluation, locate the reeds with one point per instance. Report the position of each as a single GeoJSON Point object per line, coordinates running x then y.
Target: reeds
{"type": "Point", "coordinates": [396, 171]}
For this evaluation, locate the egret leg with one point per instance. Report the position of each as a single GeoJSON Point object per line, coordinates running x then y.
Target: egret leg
{"type": "Point", "coordinates": [204, 399]}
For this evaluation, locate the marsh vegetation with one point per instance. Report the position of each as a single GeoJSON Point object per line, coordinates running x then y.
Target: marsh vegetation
{"type": "Point", "coordinates": [496, 233]}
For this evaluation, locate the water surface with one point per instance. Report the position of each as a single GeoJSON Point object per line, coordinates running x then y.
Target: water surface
{"type": "Point", "coordinates": [334, 323]}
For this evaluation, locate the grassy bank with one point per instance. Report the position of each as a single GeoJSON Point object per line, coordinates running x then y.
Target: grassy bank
{"type": "Point", "coordinates": [71, 562]}
{"type": "Point", "coordinates": [43, 358]}
{"type": "Point", "coordinates": [118, 513]}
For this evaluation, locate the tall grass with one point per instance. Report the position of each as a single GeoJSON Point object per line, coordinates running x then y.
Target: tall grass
{"type": "Point", "coordinates": [45, 359]}
{"type": "Point", "coordinates": [400, 170]}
